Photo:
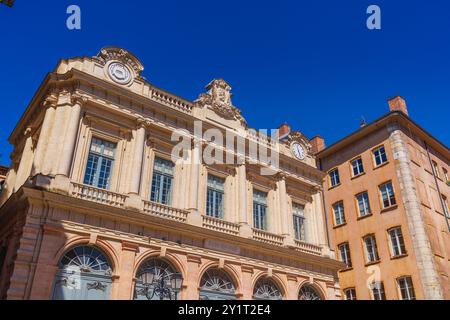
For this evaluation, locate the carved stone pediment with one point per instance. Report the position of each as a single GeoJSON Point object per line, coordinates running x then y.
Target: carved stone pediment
{"type": "Point", "coordinates": [218, 99]}
{"type": "Point", "coordinates": [296, 136]}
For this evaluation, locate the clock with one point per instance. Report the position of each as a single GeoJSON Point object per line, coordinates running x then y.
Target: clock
{"type": "Point", "coordinates": [298, 151]}
{"type": "Point", "coordinates": [119, 73]}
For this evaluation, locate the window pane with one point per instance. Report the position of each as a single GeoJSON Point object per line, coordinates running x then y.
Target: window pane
{"type": "Point", "coordinates": [357, 166]}
{"type": "Point", "coordinates": [260, 210]}
{"type": "Point", "coordinates": [339, 216]}
{"type": "Point", "coordinates": [99, 164]}
{"type": "Point", "coordinates": [161, 190]}
{"type": "Point", "coordinates": [215, 197]}
{"type": "Point", "coordinates": [363, 204]}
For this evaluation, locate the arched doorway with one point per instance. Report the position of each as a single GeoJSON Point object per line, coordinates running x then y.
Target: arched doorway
{"type": "Point", "coordinates": [266, 289]}
{"type": "Point", "coordinates": [84, 274]}
{"type": "Point", "coordinates": [308, 292]}
{"type": "Point", "coordinates": [217, 285]}
{"type": "Point", "coordinates": [159, 269]}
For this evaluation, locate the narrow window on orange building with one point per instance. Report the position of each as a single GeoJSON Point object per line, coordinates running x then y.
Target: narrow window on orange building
{"type": "Point", "coordinates": [370, 245]}
{"type": "Point", "coordinates": [350, 294]}
{"type": "Point", "coordinates": [387, 195]}
{"type": "Point", "coordinates": [339, 216]}
{"type": "Point", "coordinates": [379, 155]}
{"type": "Point", "coordinates": [436, 169]}
{"type": "Point", "coordinates": [406, 288]}
{"type": "Point", "coordinates": [357, 167]}
{"type": "Point", "coordinates": [334, 177]}
{"type": "Point", "coordinates": [344, 251]}
{"type": "Point", "coordinates": [363, 204]}
{"type": "Point", "coordinates": [397, 242]}
{"type": "Point", "coordinates": [378, 291]}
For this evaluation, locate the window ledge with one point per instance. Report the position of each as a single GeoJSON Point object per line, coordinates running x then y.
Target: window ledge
{"type": "Point", "coordinates": [340, 226]}
{"type": "Point", "coordinates": [399, 256]}
{"type": "Point", "coordinates": [334, 187]}
{"type": "Point", "coordinates": [357, 176]}
{"type": "Point", "coordinates": [371, 263]}
{"type": "Point", "coordinates": [381, 165]}
{"type": "Point", "coordinates": [346, 270]}
{"type": "Point", "coordinates": [364, 217]}
{"type": "Point", "coordinates": [389, 208]}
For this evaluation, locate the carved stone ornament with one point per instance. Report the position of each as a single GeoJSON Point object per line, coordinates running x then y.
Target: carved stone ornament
{"type": "Point", "coordinates": [218, 98]}
{"type": "Point", "coordinates": [121, 65]}
{"type": "Point", "coordinates": [298, 137]}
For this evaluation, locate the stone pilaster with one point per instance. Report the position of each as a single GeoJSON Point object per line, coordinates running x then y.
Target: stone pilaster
{"type": "Point", "coordinates": [416, 225]}
{"type": "Point", "coordinates": [245, 226]}
{"type": "Point", "coordinates": [24, 169]}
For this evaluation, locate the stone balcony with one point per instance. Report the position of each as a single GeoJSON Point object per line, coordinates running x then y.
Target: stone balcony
{"type": "Point", "coordinates": [89, 193]}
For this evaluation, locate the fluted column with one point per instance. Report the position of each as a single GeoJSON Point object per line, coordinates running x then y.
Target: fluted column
{"type": "Point", "coordinates": [138, 155]}
{"type": "Point", "coordinates": [71, 136]}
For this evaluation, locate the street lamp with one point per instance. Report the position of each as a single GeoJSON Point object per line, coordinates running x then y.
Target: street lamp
{"type": "Point", "coordinates": [163, 287]}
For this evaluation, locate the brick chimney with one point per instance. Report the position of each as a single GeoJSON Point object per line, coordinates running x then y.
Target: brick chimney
{"type": "Point", "coordinates": [397, 103]}
{"type": "Point", "coordinates": [317, 144]}
{"type": "Point", "coordinates": [284, 130]}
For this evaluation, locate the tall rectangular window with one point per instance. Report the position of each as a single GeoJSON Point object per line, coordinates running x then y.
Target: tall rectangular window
{"type": "Point", "coordinates": [436, 169]}
{"type": "Point", "coordinates": [378, 291]}
{"type": "Point", "coordinates": [357, 167]}
{"type": "Point", "coordinates": [215, 197]}
{"type": "Point", "coordinates": [162, 181]}
{"type": "Point", "coordinates": [344, 251]}
{"type": "Point", "coordinates": [397, 242]}
{"type": "Point", "coordinates": [260, 210]}
{"type": "Point", "coordinates": [370, 245]}
{"type": "Point", "coordinates": [363, 204]}
{"type": "Point", "coordinates": [387, 195]}
{"type": "Point", "coordinates": [100, 163]}
{"type": "Point", "coordinates": [339, 216]}
{"type": "Point", "coordinates": [446, 207]}
{"type": "Point", "coordinates": [406, 288]}
{"type": "Point", "coordinates": [379, 155]}
{"type": "Point", "coordinates": [334, 177]}
{"type": "Point", "coordinates": [299, 221]}
{"type": "Point", "coordinates": [350, 294]}
{"type": "Point", "coordinates": [446, 175]}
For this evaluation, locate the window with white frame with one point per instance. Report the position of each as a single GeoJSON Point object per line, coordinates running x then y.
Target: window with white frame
{"type": "Point", "coordinates": [378, 291]}
{"type": "Point", "coordinates": [397, 242]}
{"type": "Point", "coordinates": [446, 175]}
{"type": "Point", "coordinates": [370, 245]}
{"type": "Point", "coordinates": [100, 163]}
{"type": "Point", "coordinates": [363, 204]}
{"type": "Point", "coordinates": [299, 221]}
{"type": "Point", "coordinates": [387, 195]}
{"type": "Point", "coordinates": [406, 288]}
{"type": "Point", "coordinates": [162, 181]}
{"type": "Point", "coordinates": [379, 156]}
{"type": "Point", "coordinates": [215, 197]}
{"type": "Point", "coordinates": [350, 294]}
{"type": "Point", "coordinates": [334, 177]}
{"type": "Point", "coordinates": [339, 215]}
{"type": "Point", "coordinates": [357, 167]}
{"type": "Point", "coordinates": [259, 209]}
{"type": "Point", "coordinates": [344, 251]}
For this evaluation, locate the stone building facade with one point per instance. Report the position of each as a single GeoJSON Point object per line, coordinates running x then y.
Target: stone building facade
{"type": "Point", "coordinates": [386, 198]}
{"type": "Point", "coordinates": [94, 202]}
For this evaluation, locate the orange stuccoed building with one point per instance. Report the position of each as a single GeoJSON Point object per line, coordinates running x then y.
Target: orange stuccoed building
{"type": "Point", "coordinates": [387, 196]}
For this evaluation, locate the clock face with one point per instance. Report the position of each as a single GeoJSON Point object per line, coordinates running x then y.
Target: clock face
{"type": "Point", "coordinates": [119, 73]}
{"type": "Point", "coordinates": [298, 151]}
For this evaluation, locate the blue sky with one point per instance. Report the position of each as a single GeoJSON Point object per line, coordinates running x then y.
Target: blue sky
{"type": "Point", "coordinates": [313, 64]}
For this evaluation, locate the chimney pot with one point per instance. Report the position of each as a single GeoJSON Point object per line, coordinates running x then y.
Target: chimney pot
{"type": "Point", "coordinates": [317, 144]}
{"type": "Point", "coordinates": [397, 103]}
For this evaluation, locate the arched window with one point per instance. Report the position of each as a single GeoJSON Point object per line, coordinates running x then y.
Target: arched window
{"type": "Point", "coordinates": [84, 274]}
{"type": "Point", "coordinates": [217, 285]}
{"type": "Point", "coordinates": [158, 270]}
{"type": "Point", "coordinates": [308, 292]}
{"type": "Point", "coordinates": [266, 289]}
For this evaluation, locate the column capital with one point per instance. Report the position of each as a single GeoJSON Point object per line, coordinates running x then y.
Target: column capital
{"type": "Point", "coordinates": [79, 99]}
